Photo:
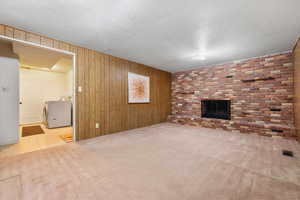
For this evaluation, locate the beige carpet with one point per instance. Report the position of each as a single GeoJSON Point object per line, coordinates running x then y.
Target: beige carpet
{"type": "Point", "coordinates": [164, 161]}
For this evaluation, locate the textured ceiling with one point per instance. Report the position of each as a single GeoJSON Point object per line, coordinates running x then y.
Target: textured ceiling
{"type": "Point", "coordinates": [172, 35]}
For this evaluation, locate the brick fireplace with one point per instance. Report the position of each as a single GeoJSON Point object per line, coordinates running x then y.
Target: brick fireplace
{"type": "Point", "coordinates": [260, 92]}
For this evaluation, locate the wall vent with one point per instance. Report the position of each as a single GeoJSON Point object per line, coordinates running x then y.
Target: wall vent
{"type": "Point", "coordinates": [275, 109]}
{"type": "Point", "coordinates": [287, 153]}
{"type": "Point", "coordinates": [277, 130]}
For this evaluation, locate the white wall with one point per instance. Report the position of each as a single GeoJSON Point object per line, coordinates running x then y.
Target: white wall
{"type": "Point", "coordinates": [69, 83]}
{"type": "Point", "coordinates": [9, 95]}
{"type": "Point", "coordinates": [37, 87]}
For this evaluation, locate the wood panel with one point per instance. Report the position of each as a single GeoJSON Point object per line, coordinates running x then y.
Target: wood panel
{"type": "Point", "coordinates": [103, 79]}
{"type": "Point", "coordinates": [297, 87]}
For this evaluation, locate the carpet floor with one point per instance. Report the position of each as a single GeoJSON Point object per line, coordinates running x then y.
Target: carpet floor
{"type": "Point", "coordinates": [163, 161]}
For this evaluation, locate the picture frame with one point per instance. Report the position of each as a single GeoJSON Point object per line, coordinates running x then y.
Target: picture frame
{"type": "Point", "coordinates": [138, 88]}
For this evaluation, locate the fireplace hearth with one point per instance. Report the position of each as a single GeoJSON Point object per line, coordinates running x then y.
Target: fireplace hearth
{"type": "Point", "coordinates": [217, 109]}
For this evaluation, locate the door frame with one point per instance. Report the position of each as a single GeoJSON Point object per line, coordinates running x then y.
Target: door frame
{"type": "Point", "coordinates": [74, 124]}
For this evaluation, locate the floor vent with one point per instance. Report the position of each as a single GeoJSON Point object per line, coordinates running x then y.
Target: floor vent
{"type": "Point", "coordinates": [287, 153]}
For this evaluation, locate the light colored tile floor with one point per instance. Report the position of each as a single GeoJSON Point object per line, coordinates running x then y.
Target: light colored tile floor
{"type": "Point", "coordinates": [35, 142]}
{"type": "Point", "coordinates": [159, 162]}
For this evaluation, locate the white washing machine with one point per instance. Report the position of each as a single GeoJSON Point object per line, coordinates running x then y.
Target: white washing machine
{"type": "Point", "coordinates": [58, 114]}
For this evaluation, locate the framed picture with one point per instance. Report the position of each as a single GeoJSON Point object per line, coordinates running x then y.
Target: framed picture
{"type": "Point", "coordinates": [138, 88]}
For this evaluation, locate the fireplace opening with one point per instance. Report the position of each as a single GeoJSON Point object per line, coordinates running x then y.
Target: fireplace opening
{"type": "Point", "coordinates": [218, 109]}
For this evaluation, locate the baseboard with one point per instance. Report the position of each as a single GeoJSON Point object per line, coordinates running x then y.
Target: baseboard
{"type": "Point", "coordinates": [31, 123]}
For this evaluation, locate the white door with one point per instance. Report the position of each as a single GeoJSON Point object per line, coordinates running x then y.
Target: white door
{"type": "Point", "coordinates": [9, 100]}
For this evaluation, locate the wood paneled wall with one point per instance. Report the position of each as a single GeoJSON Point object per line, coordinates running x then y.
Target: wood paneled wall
{"type": "Point", "coordinates": [104, 82]}
{"type": "Point", "coordinates": [297, 87]}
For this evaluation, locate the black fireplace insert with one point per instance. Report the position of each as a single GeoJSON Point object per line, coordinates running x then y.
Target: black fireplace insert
{"type": "Point", "coordinates": [218, 109]}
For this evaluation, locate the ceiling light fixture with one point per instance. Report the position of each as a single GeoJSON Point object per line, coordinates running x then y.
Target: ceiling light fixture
{"type": "Point", "coordinates": [202, 57]}
{"type": "Point", "coordinates": [199, 57]}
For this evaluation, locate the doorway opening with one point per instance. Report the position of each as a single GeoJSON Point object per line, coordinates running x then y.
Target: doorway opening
{"type": "Point", "coordinates": [41, 92]}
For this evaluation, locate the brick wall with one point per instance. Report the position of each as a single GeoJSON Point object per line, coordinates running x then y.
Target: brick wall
{"type": "Point", "coordinates": [260, 90]}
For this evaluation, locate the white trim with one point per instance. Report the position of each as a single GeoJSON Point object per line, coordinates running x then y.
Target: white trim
{"type": "Point", "coordinates": [74, 73]}
{"type": "Point", "coordinates": [74, 98]}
